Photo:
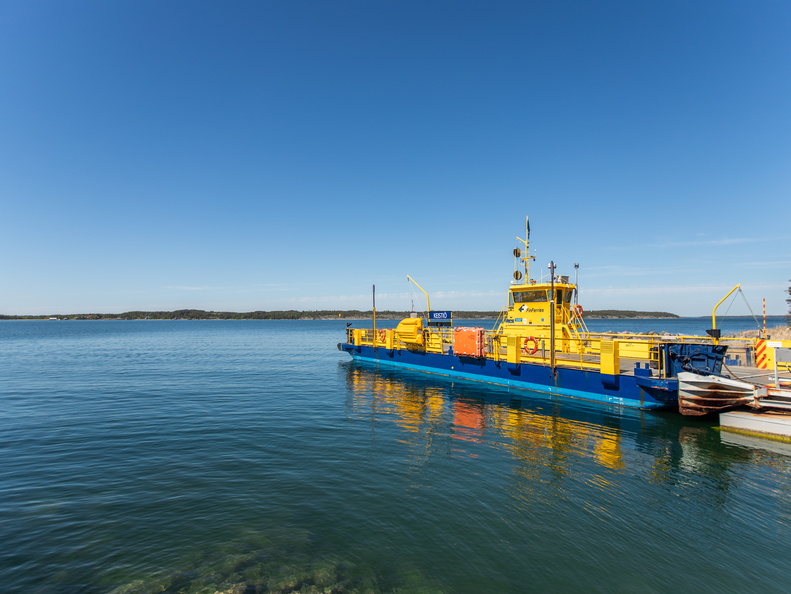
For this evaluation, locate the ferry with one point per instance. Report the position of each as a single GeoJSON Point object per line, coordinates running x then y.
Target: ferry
{"type": "Point", "coordinates": [540, 342]}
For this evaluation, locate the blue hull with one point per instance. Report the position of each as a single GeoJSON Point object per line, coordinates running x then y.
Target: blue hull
{"type": "Point", "coordinates": [634, 391]}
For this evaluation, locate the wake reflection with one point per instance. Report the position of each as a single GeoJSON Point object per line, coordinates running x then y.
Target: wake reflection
{"type": "Point", "coordinates": [554, 445]}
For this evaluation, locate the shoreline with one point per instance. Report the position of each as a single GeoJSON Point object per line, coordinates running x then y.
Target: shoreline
{"type": "Point", "coordinates": [352, 316]}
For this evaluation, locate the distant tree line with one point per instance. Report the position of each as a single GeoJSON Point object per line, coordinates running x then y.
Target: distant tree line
{"type": "Point", "coordinates": [619, 313]}
{"type": "Point", "coordinates": [292, 314]}
{"type": "Point", "coordinates": [199, 314]}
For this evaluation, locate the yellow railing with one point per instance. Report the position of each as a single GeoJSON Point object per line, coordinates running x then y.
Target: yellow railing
{"type": "Point", "coordinates": [583, 351]}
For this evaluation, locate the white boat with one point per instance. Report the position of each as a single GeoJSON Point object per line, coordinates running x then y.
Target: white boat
{"type": "Point", "coordinates": [704, 394]}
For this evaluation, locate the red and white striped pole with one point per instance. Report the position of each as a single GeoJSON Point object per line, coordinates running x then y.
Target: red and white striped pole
{"type": "Point", "coordinates": [764, 317]}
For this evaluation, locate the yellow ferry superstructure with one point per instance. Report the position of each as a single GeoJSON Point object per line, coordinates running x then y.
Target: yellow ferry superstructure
{"type": "Point", "coordinates": [540, 342]}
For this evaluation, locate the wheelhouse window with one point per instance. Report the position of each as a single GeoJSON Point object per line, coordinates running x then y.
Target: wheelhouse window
{"type": "Point", "coordinates": [564, 295]}
{"type": "Point", "coordinates": [529, 297]}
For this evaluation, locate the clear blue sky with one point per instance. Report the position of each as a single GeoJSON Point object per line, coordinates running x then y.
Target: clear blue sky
{"type": "Point", "coordinates": [289, 154]}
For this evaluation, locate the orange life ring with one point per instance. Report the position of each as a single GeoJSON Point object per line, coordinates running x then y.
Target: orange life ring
{"type": "Point", "coordinates": [529, 339]}
{"type": "Point", "coordinates": [577, 309]}
{"type": "Point", "coordinates": [382, 335]}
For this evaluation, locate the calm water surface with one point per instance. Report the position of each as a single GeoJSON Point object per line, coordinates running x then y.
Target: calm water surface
{"type": "Point", "coordinates": [252, 456]}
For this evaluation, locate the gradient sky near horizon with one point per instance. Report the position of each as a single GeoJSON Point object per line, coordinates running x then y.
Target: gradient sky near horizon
{"type": "Point", "coordinates": [289, 154]}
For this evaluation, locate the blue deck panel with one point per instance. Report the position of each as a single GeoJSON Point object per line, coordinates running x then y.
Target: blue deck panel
{"type": "Point", "coordinates": [624, 390]}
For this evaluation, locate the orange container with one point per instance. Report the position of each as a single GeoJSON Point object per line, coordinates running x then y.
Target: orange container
{"type": "Point", "coordinates": [469, 342]}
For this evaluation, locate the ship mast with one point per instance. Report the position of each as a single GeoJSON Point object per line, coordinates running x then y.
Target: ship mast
{"type": "Point", "coordinates": [524, 256]}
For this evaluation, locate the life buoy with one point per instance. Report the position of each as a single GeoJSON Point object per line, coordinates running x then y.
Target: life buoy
{"type": "Point", "coordinates": [382, 335]}
{"type": "Point", "coordinates": [528, 340]}
{"type": "Point", "coordinates": [577, 309]}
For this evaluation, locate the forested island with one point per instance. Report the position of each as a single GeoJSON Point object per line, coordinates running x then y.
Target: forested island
{"type": "Point", "coordinates": [291, 314]}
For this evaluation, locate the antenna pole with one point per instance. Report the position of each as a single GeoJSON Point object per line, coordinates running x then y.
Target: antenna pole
{"type": "Point", "coordinates": [552, 316]}
{"type": "Point", "coordinates": [526, 257]}
{"type": "Point", "coordinates": [373, 296]}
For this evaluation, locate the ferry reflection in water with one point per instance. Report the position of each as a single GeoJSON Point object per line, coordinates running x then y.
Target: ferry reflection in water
{"type": "Point", "coordinates": [554, 443]}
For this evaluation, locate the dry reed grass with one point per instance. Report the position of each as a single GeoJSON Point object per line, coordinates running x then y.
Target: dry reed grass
{"type": "Point", "coordinates": [776, 333]}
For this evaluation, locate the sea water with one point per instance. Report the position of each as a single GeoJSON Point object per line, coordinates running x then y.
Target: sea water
{"type": "Point", "coordinates": [252, 456]}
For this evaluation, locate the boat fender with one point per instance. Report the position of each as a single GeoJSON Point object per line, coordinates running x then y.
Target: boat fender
{"type": "Point", "coordinates": [577, 310]}
{"type": "Point", "coordinates": [528, 350]}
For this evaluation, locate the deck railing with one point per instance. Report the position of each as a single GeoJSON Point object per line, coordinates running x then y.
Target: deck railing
{"type": "Point", "coordinates": [583, 351]}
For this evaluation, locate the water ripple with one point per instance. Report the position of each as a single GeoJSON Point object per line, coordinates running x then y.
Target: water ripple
{"type": "Point", "coordinates": [252, 456]}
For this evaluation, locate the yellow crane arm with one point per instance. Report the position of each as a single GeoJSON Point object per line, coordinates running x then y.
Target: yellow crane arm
{"type": "Point", "coordinates": [714, 311]}
{"type": "Point", "coordinates": [428, 300]}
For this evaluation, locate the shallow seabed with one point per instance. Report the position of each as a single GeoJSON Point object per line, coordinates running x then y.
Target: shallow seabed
{"type": "Point", "coordinates": [252, 456]}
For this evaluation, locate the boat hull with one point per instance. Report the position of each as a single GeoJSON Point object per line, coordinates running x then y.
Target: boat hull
{"type": "Point", "coordinates": [633, 391]}
{"type": "Point", "coordinates": [704, 394]}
